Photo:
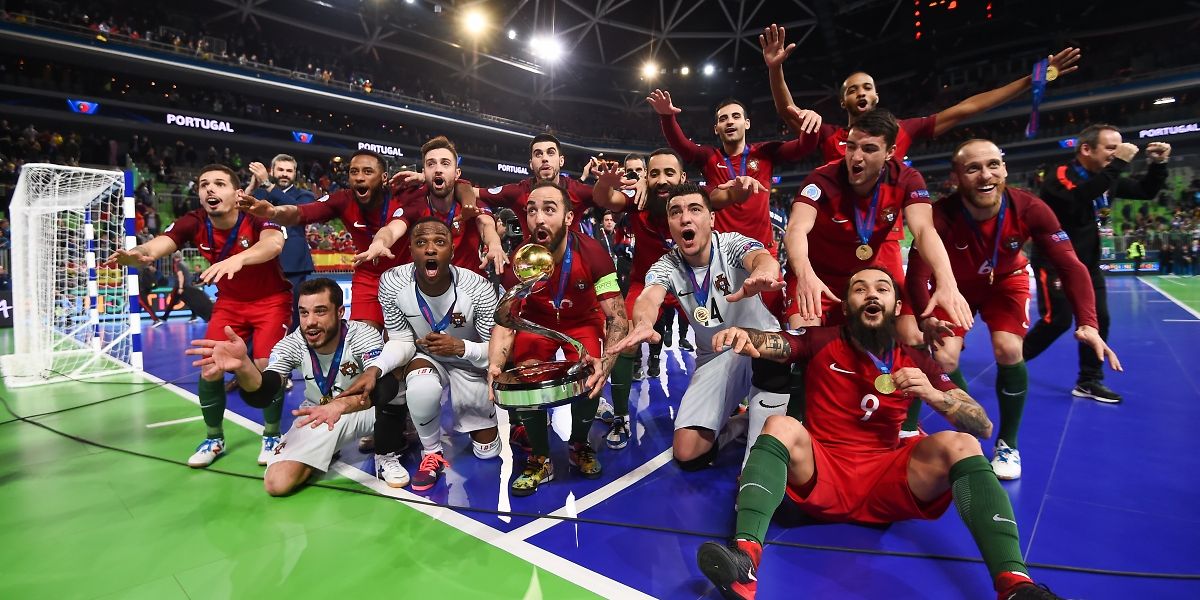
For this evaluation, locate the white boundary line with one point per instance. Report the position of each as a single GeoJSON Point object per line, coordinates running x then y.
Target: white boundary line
{"type": "Point", "coordinates": [570, 571]}
{"type": "Point", "coordinates": [175, 422]}
{"type": "Point", "coordinates": [1189, 309]}
{"type": "Point", "coordinates": [1181, 320]}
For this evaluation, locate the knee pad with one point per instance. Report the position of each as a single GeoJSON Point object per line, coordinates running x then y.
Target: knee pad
{"type": "Point", "coordinates": [387, 387]}
{"type": "Point", "coordinates": [488, 450]}
{"type": "Point", "coordinates": [770, 376]}
{"type": "Point", "coordinates": [703, 461]}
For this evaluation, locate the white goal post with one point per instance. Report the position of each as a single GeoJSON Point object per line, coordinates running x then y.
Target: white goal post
{"type": "Point", "coordinates": [73, 316]}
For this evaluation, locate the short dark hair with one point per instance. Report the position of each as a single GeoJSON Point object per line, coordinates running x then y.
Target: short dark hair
{"type": "Point", "coordinates": [438, 143]}
{"type": "Point", "coordinates": [688, 188]}
{"type": "Point", "coordinates": [544, 137]}
{"type": "Point", "coordinates": [1091, 134]}
{"type": "Point", "coordinates": [884, 270]}
{"type": "Point", "coordinates": [377, 156]}
{"type": "Point", "coordinates": [879, 122]}
{"type": "Point", "coordinates": [843, 86]}
{"type": "Point", "coordinates": [233, 176]}
{"type": "Point", "coordinates": [322, 284]}
{"type": "Point", "coordinates": [666, 152]}
{"type": "Point", "coordinates": [431, 219]}
{"type": "Point", "coordinates": [727, 102]}
{"type": "Point", "coordinates": [566, 198]}
{"type": "Point", "coordinates": [634, 156]}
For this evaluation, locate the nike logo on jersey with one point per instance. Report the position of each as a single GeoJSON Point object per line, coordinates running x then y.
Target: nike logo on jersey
{"type": "Point", "coordinates": [1008, 393]}
{"type": "Point", "coordinates": [834, 366]}
{"type": "Point", "coordinates": [429, 421]}
{"type": "Point", "coordinates": [359, 225]}
{"type": "Point", "coordinates": [962, 247]}
{"type": "Point", "coordinates": [205, 248]}
{"type": "Point", "coordinates": [999, 519]}
{"type": "Point", "coordinates": [308, 378]}
{"type": "Point", "coordinates": [493, 415]}
{"type": "Point", "coordinates": [841, 220]}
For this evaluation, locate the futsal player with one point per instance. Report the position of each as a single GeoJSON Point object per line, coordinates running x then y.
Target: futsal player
{"type": "Point", "coordinates": [847, 463]}
{"type": "Point", "coordinates": [581, 299]}
{"type": "Point", "coordinates": [984, 226]}
{"type": "Point", "coordinates": [331, 353]}
{"type": "Point", "coordinates": [717, 277]}
{"type": "Point", "coordinates": [252, 295]}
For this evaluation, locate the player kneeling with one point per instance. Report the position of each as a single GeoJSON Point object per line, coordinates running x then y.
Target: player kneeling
{"type": "Point", "coordinates": [847, 462]}
{"type": "Point", "coordinates": [330, 353]}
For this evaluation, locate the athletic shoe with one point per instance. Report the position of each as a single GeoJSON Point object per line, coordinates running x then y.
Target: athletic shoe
{"type": "Point", "coordinates": [666, 338]}
{"type": "Point", "coordinates": [158, 324]}
{"type": "Point", "coordinates": [206, 453]}
{"type": "Point", "coordinates": [430, 470]}
{"type": "Point", "coordinates": [268, 448]}
{"type": "Point", "coordinates": [653, 372]}
{"type": "Point", "coordinates": [1018, 586]}
{"type": "Point", "coordinates": [193, 320]}
{"type": "Point", "coordinates": [618, 434]}
{"type": "Point", "coordinates": [389, 469]}
{"type": "Point", "coordinates": [731, 568]}
{"type": "Point", "coordinates": [519, 438]}
{"type": "Point", "coordinates": [583, 457]}
{"type": "Point", "coordinates": [905, 434]}
{"type": "Point", "coordinates": [604, 412]}
{"type": "Point", "coordinates": [538, 470]}
{"type": "Point", "coordinates": [639, 373]}
{"type": "Point", "coordinates": [1006, 462]}
{"type": "Point", "coordinates": [685, 345]}
{"type": "Point", "coordinates": [366, 444]}
{"type": "Point", "coordinates": [1096, 391]}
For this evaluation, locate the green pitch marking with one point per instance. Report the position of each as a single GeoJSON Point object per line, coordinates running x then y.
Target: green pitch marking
{"type": "Point", "coordinates": [1184, 289]}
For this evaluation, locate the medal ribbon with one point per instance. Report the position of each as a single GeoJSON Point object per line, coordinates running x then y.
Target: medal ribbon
{"type": "Point", "coordinates": [884, 367]}
{"type": "Point", "coordinates": [999, 229]}
{"type": "Point", "coordinates": [729, 165]}
{"type": "Point", "coordinates": [1039, 90]}
{"type": "Point", "coordinates": [866, 227]}
{"type": "Point", "coordinates": [383, 214]}
{"type": "Point", "coordinates": [229, 241]}
{"type": "Point", "coordinates": [449, 216]}
{"type": "Point", "coordinates": [427, 312]}
{"type": "Point", "coordinates": [1101, 201]}
{"type": "Point", "coordinates": [564, 274]}
{"type": "Point", "coordinates": [701, 289]}
{"type": "Point", "coordinates": [325, 381]}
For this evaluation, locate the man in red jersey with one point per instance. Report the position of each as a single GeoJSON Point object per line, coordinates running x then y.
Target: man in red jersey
{"type": "Point", "coordinates": [735, 158]}
{"type": "Point", "coordinates": [450, 199]}
{"type": "Point", "coordinates": [253, 297]}
{"type": "Point", "coordinates": [984, 225]}
{"type": "Point", "coordinates": [841, 217]}
{"type": "Point", "coordinates": [847, 463]}
{"type": "Point", "coordinates": [580, 298]}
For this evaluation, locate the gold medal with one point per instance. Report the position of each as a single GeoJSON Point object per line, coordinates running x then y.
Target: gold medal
{"type": "Point", "coordinates": [884, 384]}
{"type": "Point", "coordinates": [326, 400]}
{"type": "Point", "coordinates": [863, 252]}
{"type": "Point", "coordinates": [1051, 73]}
{"type": "Point", "coordinates": [701, 315]}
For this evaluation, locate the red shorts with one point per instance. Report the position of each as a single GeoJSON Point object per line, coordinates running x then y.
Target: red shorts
{"type": "Point", "coordinates": [1004, 305]}
{"type": "Point", "coordinates": [531, 346]}
{"type": "Point", "coordinates": [364, 297]}
{"type": "Point", "coordinates": [264, 321]}
{"type": "Point", "coordinates": [635, 290]}
{"type": "Point", "coordinates": [865, 487]}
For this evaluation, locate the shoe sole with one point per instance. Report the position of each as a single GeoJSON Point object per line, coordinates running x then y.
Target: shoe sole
{"type": "Point", "coordinates": [619, 446]}
{"type": "Point", "coordinates": [595, 475]}
{"type": "Point", "coordinates": [713, 562]}
{"type": "Point", "coordinates": [394, 485]}
{"type": "Point", "coordinates": [422, 488]}
{"type": "Point", "coordinates": [1079, 394]}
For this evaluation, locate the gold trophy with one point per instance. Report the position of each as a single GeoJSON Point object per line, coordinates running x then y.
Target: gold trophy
{"type": "Point", "coordinates": [544, 384]}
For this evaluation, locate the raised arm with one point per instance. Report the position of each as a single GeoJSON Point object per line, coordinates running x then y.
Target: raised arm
{"type": "Point", "coordinates": [606, 193]}
{"type": "Point", "coordinates": [144, 254]}
{"type": "Point", "coordinates": [381, 244]}
{"type": "Point", "coordinates": [1065, 62]}
{"type": "Point", "coordinates": [775, 52]}
{"type": "Point", "coordinates": [645, 313]}
{"type": "Point", "coordinates": [690, 151]}
{"type": "Point", "coordinates": [919, 219]}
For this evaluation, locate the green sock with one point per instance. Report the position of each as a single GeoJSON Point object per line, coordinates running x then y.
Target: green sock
{"type": "Point", "coordinates": [764, 480]}
{"type": "Point", "coordinates": [914, 415]}
{"type": "Point", "coordinates": [988, 515]}
{"type": "Point", "coordinates": [1012, 385]}
{"type": "Point", "coordinates": [583, 412]}
{"type": "Point", "coordinates": [957, 377]}
{"type": "Point", "coordinates": [535, 427]}
{"type": "Point", "coordinates": [795, 407]}
{"type": "Point", "coordinates": [212, 405]}
{"type": "Point", "coordinates": [621, 379]}
{"type": "Point", "coordinates": [273, 413]}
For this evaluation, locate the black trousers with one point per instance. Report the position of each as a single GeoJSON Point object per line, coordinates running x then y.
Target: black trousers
{"type": "Point", "coordinates": [1057, 318]}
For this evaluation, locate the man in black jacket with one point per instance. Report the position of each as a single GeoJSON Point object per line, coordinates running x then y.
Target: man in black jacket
{"type": "Point", "coordinates": [1078, 191]}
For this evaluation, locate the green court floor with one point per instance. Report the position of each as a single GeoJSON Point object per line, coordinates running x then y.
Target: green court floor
{"type": "Point", "coordinates": [1184, 289]}
{"type": "Point", "coordinates": [85, 522]}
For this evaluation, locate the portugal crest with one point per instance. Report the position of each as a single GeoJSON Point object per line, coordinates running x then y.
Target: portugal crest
{"type": "Point", "coordinates": [722, 284]}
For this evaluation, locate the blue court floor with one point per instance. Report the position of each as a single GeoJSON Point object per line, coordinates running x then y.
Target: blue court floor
{"type": "Point", "coordinates": [1107, 488]}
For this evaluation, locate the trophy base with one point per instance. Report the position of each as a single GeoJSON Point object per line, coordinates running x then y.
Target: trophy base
{"type": "Point", "coordinates": [540, 386]}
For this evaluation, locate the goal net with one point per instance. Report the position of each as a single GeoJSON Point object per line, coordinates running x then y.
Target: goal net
{"type": "Point", "coordinates": [73, 317]}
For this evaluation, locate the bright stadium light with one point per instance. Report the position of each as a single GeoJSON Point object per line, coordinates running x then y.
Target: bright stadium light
{"type": "Point", "coordinates": [649, 70]}
{"type": "Point", "coordinates": [709, 70]}
{"type": "Point", "coordinates": [1164, 100]}
{"type": "Point", "coordinates": [512, 34]}
{"type": "Point", "coordinates": [474, 22]}
{"type": "Point", "coordinates": [685, 71]}
{"type": "Point", "coordinates": [546, 48]}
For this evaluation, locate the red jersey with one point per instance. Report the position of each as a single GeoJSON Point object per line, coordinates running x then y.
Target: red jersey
{"type": "Point", "coordinates": [515, 195]}
{"type": "Point", "coordinates": [651, 241]}
{"type": "Point", "coordinates": [751, 218]}
{"type": "Point", "coordinates": [833, 147]}
{"type": "Point", "coordinates": [253, 282]}
{"type": "Point", "coordinates": [362, 221]}
{"type": "Point", "coordinates": [592, 278]}
{"type": "Point", "coordinates": [845, 410]}
{"type": "Point", "coordinates": [834, 236]}
{"type": "Point", "coordinates": [971, 245]}
{"type": "Point", "coordinates": [468, 245]}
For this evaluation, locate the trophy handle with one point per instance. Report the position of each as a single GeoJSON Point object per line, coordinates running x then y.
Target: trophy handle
{"type": "Point", "coordinates": [508, 314]}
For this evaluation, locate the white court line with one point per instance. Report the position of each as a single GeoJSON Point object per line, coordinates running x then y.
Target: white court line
{"type": "Point", "coordinates": [609, 490]}
{"type": "Point", "coordinates": [175, 422]}
{"type": "Point", "coordinates": [1181, 320]}
{"type": "Point", "coordinates": [575, 573]}
{"type": "Point", "coordinates": [1190, 310]}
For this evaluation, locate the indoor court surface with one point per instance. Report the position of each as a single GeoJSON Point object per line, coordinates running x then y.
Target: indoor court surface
{"type": "Point", "coordinates": [1105, 488]}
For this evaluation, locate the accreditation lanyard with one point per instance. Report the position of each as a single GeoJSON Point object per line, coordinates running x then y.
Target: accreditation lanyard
{"type": "Point", "coordinates": [729, 165]}
{"type": "Point", "coordinates": [383, 214]}
{"type": "Point", "coordinates": [426, 311]}
{"type": "Point", "coordinates": [999, 231]}
{"type": "Point", "coordinates": [1101, 201]}
{"type": "Point", "coordinates": [229, 241]}
{"type": "Point", "coordinates": [325, 380]}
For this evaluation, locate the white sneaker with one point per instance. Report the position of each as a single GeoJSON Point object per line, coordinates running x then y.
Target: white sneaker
{"type": "Point", "coordinates": [1007, 462]}
{"type": "Point", "coordinates": [604, 411]}
{"type": "Point", "coordinates": [206, 453]}
{"type": "Point", "coordinates": [268, 448]}
{"type": "Point", "coordinates": [389, 469]}
{"type": "Point", "coordinates": [905, 434]}
{"type": "Point", "coordinates": [289, 385]}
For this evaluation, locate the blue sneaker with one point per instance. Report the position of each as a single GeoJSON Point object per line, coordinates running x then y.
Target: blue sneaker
{"type": "Point", "coordinates": [604, 411]}
{"type": "Point", "coordinates": [268, 448]}
{"type": "Point", "coordinates": [618, 434]}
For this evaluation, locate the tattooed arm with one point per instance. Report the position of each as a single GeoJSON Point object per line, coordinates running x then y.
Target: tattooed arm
{"type": "Point", "coordinates": [499, 350]}
{"type": "Point", "coordinates": [962, 411]}
{"type": "Point", "coordinates": [615, 328]}
{"type": "Point", "coordinates": [770, 345]}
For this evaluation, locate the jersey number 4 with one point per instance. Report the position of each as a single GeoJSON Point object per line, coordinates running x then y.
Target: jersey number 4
{"type": "Point", "coordinates": [869, 404]}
